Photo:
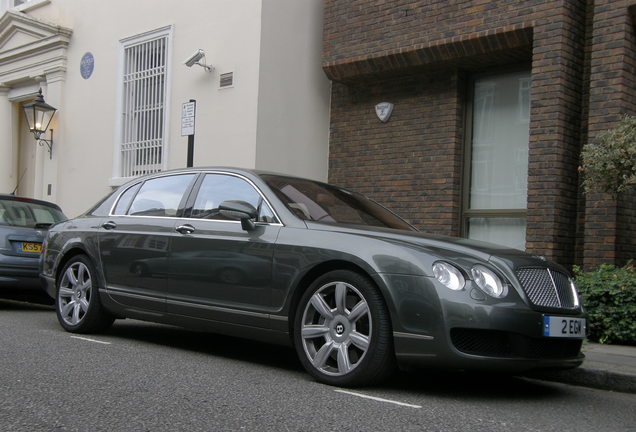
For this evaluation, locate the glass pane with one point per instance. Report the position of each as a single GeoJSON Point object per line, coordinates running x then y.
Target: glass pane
{"type": "Point", "coordinates": [499, 166]}
{"type": "Point", "coordinates": [124, 201]}
{"type": "Point", "coordinates": [27, 214]}
{"type": "Point", "coordinates": [160, 196]}
{"type": "Point", "coordinates": [217, 188]}
{"type": "Point", "coordinates": [503, 231]}
{"type": "Point", "coordinates": [320, 202]}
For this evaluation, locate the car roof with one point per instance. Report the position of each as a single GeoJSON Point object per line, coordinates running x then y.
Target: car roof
{"type": "Point", "coordinates": [232, 170]}
{"type": "Point", "coordinates": [9, 197]}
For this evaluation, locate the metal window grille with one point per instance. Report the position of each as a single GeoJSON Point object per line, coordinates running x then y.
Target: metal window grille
{"type": "Point", "coordinates": [144, 94]}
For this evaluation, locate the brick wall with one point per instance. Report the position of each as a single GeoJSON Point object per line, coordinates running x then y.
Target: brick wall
{"type": "Point", "coordinates": [420, 54]}
{"type": "Point", "coordinates": [610, 231]}
{"type": "Point", "coordinates": [555, 135]}
{"type": "Point", "coordinates": [408, 32]}
{"type": "Point", "coordinates": [366, 38]}
{"type": "Point", "coordinates": [412, 164]}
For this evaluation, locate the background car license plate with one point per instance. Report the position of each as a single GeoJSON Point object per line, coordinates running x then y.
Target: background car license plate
{"type": "Point", "coordinates": [31, 247]}
{"type": "Point", "coordinates": [554, 326]}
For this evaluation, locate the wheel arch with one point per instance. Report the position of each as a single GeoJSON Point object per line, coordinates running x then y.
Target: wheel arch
{"type": "Point", "coordinates": [325, 267]}
{"type": "Point", "coordinates": [69, 254]}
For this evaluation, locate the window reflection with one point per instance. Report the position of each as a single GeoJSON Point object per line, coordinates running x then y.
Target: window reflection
{"type": "Point", "coordinates": [217, 188]}
{"type": "Point", "coordinates": [160, 196]}
{"type": "Point", "coordinates": [320, 202]}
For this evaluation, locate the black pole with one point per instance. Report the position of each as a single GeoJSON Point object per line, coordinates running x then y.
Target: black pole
{"type": "Point", "coordinates": [190, 151]}
{"type": "Point", "coordinates": [191, 147]}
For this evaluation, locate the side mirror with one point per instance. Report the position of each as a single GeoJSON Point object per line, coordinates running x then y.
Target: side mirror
{"type": "Point", "coordinates": [239, 210]}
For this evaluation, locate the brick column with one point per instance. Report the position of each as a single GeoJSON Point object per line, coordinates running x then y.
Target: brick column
{"type": "Point", "coordinates": [557, 64]}
{"type": "Point", "coordinates": [609, 232]}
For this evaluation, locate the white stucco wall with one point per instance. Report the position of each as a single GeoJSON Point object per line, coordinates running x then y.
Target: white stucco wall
{"type": "Point", "coordinates": [293, 94]}
{"type": "Point", "coordinates": [229, 32]}
{"type": "Point", "coordinates": [275, 116]}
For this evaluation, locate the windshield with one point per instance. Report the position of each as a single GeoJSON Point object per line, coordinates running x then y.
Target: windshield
{"type": "Point", "coordinates": [320, 202]}
{"type": "Point", "coordinates": [23, 213]}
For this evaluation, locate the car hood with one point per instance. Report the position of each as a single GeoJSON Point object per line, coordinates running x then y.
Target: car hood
{"type": "Point", "coordinates": [446, 246]}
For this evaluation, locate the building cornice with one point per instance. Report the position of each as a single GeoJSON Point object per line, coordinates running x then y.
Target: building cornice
{"type": "Point", "coordinates": [29, 47]}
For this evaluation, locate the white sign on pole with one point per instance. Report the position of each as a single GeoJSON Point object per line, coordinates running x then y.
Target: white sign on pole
{"type": "Point", "coordinates": [188, 111]}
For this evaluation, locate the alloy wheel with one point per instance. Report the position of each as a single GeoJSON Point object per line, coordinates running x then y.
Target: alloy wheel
{"type": "Point", "coordinates": [74, 295]}
{"type": "Point", "coordinates": [336, 328]}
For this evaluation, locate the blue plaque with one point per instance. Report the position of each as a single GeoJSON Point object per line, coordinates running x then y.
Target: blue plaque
{"type": "Point", "coordinates": [87, 65]}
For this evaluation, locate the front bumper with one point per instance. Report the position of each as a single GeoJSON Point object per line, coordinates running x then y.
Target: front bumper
{"type": "Point", "coordinates": [437, 327]}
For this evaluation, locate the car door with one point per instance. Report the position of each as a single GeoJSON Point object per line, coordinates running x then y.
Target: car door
{"type": "Point", "coordinates": [218, 270]}
{"type": "Point", "coordinates": [134, 241]}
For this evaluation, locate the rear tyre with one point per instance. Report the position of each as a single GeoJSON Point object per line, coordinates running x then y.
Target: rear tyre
{"type": "Point", "coordinates": [77, 303]}
{"type": "Point", "coordinates": [342, 331]}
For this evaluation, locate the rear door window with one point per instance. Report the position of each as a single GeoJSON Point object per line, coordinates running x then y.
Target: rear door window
{"type": "Point", "coordinates": [161, 196]}
{"type": "Point", "coordinates": [124, 200]}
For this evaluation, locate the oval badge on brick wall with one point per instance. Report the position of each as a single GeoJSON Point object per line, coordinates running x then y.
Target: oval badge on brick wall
{"type": "Point", "coordinates": [384, 110]}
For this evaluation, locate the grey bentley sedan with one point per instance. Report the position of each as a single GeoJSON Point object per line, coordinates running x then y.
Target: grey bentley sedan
{"type": "Point", "coordinates": [355, 289]}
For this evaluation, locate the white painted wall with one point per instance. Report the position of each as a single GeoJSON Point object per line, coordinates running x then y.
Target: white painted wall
{"type": "Point", "coordinates": [275, 117]}
{"type": "Point", "coordinates": [293, 93]}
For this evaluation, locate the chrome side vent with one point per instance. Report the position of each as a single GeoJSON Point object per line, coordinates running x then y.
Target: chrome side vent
{"type": "Point", "coordinates": [226, 80]}
{"type": "Point", "coordinates": [547, 288]}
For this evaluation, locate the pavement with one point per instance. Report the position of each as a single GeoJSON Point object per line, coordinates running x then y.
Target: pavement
{"type": "Point", "coordinates": [607, 367]}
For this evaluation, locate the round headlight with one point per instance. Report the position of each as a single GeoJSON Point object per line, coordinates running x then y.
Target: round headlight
{"type": "Point", "coordinates": [487, 281]}
{"type": "Point", "coordinates": [448, 275]}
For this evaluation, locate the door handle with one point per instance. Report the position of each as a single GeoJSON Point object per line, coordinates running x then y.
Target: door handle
{"type": "Point", "coordinates": [185, 229]}
{"type": "Point", "coordinates": [109, 225]}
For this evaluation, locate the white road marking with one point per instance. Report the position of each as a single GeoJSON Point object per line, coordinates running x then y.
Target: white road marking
{"type": "Point", "coordinates": [379, 399]}
{"type": "Point", "coordinates": [90, 340]}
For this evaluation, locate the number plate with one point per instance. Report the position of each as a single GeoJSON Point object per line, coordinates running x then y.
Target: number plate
{"type": "Point", "coordinates": [554, 326]}
{"type": "Point", "coordinates": [31, 247]}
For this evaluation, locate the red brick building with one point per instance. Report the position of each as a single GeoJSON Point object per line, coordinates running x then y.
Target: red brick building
{"type": "Point", "coordinates": [492, 102]}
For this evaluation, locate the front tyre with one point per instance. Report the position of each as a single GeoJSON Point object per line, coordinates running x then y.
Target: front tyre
{"type": "Point", "coordinates": [342, 331]}
{"type": "Point", "coordinates": [77, 303]}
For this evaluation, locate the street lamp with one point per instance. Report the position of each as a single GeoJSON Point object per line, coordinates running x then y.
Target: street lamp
{"type": "Point", "coordinates": [39, 115]}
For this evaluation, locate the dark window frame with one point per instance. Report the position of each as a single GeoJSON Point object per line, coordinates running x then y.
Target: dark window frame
{"type": "Point", "coordinates": [466, 212]}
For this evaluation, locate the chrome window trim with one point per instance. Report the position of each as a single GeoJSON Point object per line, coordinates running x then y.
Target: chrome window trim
{"type": "Point", "coordinates": [112, 207]}
{"type": "Point", "coordinates": [260, 223]}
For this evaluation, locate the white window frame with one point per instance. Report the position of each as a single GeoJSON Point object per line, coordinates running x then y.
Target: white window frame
{"type": "Point", "coordinates": [117, 178]}
{"type": "Point", "coordinates": [24, 7]}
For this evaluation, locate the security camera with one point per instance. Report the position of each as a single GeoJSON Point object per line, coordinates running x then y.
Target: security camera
{"type": "Point", "coordinates": [195, 59]}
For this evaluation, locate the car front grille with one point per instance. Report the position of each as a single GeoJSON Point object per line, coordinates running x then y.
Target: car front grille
{"type": "Point", "coordinates": [547, 289]}
{"type": "Point", "coordinates": [495, 343]}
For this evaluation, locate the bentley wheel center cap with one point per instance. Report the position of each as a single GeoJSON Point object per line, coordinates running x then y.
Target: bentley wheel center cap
{"type": "Point", "coordinates": [340, 329]}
